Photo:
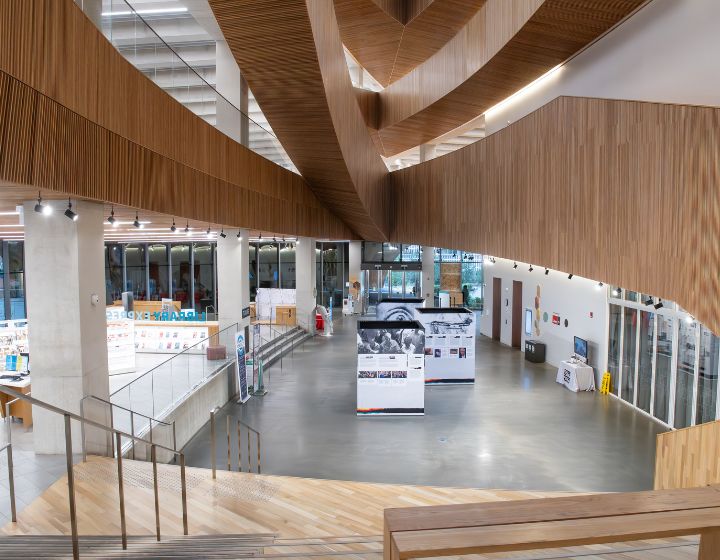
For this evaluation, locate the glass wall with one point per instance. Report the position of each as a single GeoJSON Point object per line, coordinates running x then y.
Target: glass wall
{"type": "Point", "coordinates": [268, 265]}
{"type": "Point", "coordinates": [333, 273]}
{"type": "Point", "coordinates": [16, 279]}
{"type": "Point", "coordinates": [471, 282]}
{"type": "Point", "coordinates": [667, 363]}
{"type": "Point", "coordinates": [136, 270]}
{"type": "Point", "coordinates": [204, 277]}
{"type": "Point", "coordinates": [113, 272]}
{"type": "Point", "coordinates": [158, 271]}
{"type": "Point", "coordinates": [180, 277]}
{"type": "Point", "coordinates": [287, 266]}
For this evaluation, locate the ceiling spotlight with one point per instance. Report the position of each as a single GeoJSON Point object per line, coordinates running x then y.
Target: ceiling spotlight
{"type": "Point", "coordinates": [239, 236]}
{"type": "Point", "coordinates": [547, 271]}
{"type": "Point", "coordinates": [173, 227]}
{"type": "Point", "coordinates": [187, 229]}
{"type": "Point", "coordinates": [111, 220]}
{"type": "Point", "coordinates": [41, 208]}
{"type": "Point", "coordinates": [137, 223]}
{"type": "Point", "coordinates": [616, 292]}
{"type": "Point", "coordinates": [259, 236]}
{"type": "Point", "coordinates": [69, 212]}
{"type": "Point", "coordinates": [599, 286]}
{"type": "Point", "coordinates": [283, 240]}
{"type": "Point", "coordinates": [689, 319]}
{"type": "Point", "coordinates": [570, 276]}
{"type": "Point", "coordinates": [208, 232]}
{"type": "Point", "coordinates": [649, 301]}
{"type": "Point", "coordinates": [659, 304]}
{"type": "Point", "coordinates": [222, 233]}
{"type": "Point", "coordinates": [514, 265]}
{"type": "Point", "coordinates": [530, 269]}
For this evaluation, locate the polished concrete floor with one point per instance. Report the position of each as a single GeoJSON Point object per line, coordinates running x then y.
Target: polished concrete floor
{"type": "Point", "coordinates": [514, 429]}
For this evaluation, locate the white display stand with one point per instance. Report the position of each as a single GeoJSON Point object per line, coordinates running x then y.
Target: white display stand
{"type": "Point", "coordinates": [267, 299]}
{"type": "Point", "coordinates": [390, 372]}
{"type": "Point", "coordinates": [120, 343]}
{"type": "Point", "coordinates": [576, 376]}
{"type": "Point", "coordinates": [397, 309]}
{"type": "Point", "coordinates": [449, 344]}
{"type": "Point", "coordinates": [171, 337]}
{"type": "Point", "coordinates": [13, 339]}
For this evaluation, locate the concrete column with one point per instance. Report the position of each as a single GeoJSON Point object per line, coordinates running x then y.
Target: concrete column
{"type": "Point", "coordinates": [305, 281]}
{"type": "Point", "coordinates": [354, 259]}
{"type": "Point", "coordinates": [427, 287]}
{"type": "Point", "coordinates": [233, 279]}
{"type": "Point", "coordinates": [233, 91]}
{"type": "Point", "coordinates": [67, 327]}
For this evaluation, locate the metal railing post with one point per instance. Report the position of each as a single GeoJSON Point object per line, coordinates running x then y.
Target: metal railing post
{"type": "Point", "coordinates": [71, 488]}
{"type": "Point", "coordinates": [228, 441]}
{"type": "Point", "coordinates": [249, 452]}
{"type": "Point", "coordinates": [213, 445]}
{"type": "Point", "coordinates": [184, 494]}
{"type": "Point", "coordinates": [153, 455]}
{"type": "Point", "coordinates": [239, 447]}
{"type": "Point", "coordinates": [174, 438]}
{"type": "Point", "coordinates": [11, 483]}
{"type": "Point", "coordinates": [258, 449]}
{"type": "Point", "coordinates": [132, 433]}
{"type": "Point", "coordinates": [112, 428]}
{"type": "Point", "coordinates": [82, 430]}
{"type": "Point", "coordinates": [121, 491]}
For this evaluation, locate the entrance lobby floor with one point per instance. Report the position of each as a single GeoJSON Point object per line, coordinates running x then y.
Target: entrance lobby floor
{"type": "Point", "coordinates": [514, 429]}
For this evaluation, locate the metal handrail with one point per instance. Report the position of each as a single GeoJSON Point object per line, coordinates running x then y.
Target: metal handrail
{"type": "Point", "coordinates": [119, 434]}
{"type": "Point", "coordinates": [213, 444]}
{"type": "Point", "coordinates": [126, 409]}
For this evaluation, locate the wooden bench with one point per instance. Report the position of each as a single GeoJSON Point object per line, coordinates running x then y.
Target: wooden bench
{"type": "Point", "coordinates": [424, 532]}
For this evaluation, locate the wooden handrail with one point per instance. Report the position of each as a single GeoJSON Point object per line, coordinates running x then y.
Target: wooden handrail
{"type": "Point", "coordinates": [424, 532]}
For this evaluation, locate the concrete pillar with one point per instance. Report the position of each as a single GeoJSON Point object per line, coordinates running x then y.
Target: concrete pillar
{"type": "Point", "coordinates": [354, 259]}
{"type": "Point", "coordinates": [427, 287]}
{"type": "Point", "coordinates": [305, 281]}
{"type": "Point", "coordinates": [233, 91]}
{"type": "Point", "coordinates": [233, 279]}
{"type": "Point", "coordinates": [67, 327]}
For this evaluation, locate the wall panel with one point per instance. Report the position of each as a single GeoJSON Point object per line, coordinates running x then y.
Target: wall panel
{"type": "Point", "coordinates": [688, 458]}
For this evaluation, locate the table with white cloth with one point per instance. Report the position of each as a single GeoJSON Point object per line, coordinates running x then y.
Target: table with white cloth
{"type": "Point", "coordinates": [576, 376]}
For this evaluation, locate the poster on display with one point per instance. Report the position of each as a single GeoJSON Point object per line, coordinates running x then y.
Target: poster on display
{"type": "Point", "coordinates": [267, 299]}
{"type": "Point", "coordinates": [390, 371]}
{"type": "Point", "coordinates": [240, 367]}
{"type": "Point", "coordinates": [398, 309]}
{"type": "Point", "coordinates": [449, 344]}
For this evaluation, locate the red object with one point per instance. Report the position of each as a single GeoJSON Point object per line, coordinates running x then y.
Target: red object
{"type": "Point", "coordinates": [319, 322]}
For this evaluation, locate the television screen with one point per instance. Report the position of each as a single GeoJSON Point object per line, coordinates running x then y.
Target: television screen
{"type": "Point", "coordinates": [581, 349]}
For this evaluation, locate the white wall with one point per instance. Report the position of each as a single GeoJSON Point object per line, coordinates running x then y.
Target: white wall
{"type": "Point", "coordinates": [574, 300]}
{"type": "Point", "coordinates": [667, 52]}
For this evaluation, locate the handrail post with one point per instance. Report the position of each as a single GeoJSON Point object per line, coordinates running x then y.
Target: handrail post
{"type": "Point", "coordinates": [213, 445]}
{"type": "Point", "coordinates": [112, 428]}
{"type": "Point", "coordinates": [174, 438]}
{"type": "Point", "coordinates": [184, 494]}
{"type": "Point", "coordinates": [11, 483]}
{"type": "Point", "coordinates": [132, 433]}
{"type": "Point", "coordinates": [121, 491]}
{"type": "Point", "coordinates": [239, 446]}
{"type": "Point", "coordinates": [82, 430]}
{"type": "Point", "coordinates": [71, 487]}
{"type": "Point", "coordinates": [228, 441]}
{"type": "Point", "coordinates": [257, 435]}
{"type": "Point", "coordinates": [153, 455]}
{"type": "Point", "coordinates": [249, 452]}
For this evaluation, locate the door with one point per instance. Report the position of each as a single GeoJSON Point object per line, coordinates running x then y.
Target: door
{"type": "Point", "coordinates": [396, 283]}
{"type": "Point", "coordinates": [497, 308]}
{"type": "Point", "coordinates": [412, 284]}
{"type": "Point", "coordinates": [517, 315]}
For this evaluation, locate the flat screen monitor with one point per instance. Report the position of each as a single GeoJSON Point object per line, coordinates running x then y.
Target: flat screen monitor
{"type": "Point", "coordinates": [581, 349]}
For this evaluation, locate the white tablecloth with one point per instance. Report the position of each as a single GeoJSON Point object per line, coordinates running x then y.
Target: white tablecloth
{"type": "Point", "coordinates": [576, 376]}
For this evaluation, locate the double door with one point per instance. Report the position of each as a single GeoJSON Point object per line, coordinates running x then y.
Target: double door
{"type": "Point", "coordinates": [379, 284]}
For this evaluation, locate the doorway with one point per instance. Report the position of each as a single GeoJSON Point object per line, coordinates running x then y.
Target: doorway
{"type": "Point", "coordinates": [379, 284]}
{"type": "Point", "coordinates": [497, 308]}
{"type": "Point", "coordinates": [517, 316]}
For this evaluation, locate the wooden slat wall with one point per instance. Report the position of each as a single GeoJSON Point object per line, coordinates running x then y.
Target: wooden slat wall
{"type": "Point", "coordinates": [292, 57]}
{"type": "Point", "coordinates": [83, 107]}
{"type": "Point", "coordinates": [688, 458]}
{"type": "Point", "coordinates": [619, 191]}
{"type": "Point", "coordinates": [506, 45]}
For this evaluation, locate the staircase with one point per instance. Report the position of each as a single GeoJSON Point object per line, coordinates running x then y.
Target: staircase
{"type": "Point", "coordinates": [273, 350]}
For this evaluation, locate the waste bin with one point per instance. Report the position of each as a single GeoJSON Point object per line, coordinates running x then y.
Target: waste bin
{"type": "Point", "coordinates": [535, 351]}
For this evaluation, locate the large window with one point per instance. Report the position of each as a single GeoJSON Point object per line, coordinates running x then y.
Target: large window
{"type": "Point", "coordinates": [136, 270]}
{"type": "Point", "coordinates": [462, 275]}
{"type": "Point", "coordinates": [287, 266]}
{"type": "Point", "coordinates": [181, 279]}
{"type": "Point", "coordinates": [613, 365]}
{"type": "Point", "coordinates": [707, 388]}
{"type": "Point", "coordinates": [268, 265]}
{"type": "Point", "coordinates": [333, 266]}
{"type": "Point", "coordinates": [158, 271]}
{"type": "Point", "coordinates": [685, 376]}
{"type": "Point", "coordinates": [627, 386]}
{"type": "Point", "coordinates": [113, 272]}
{"type": "Point", "coordinates": [16, 279]}
{"type": "Point", "coordinates": [663, 367]}
{"type": "Point", "coordinates": [204, 276]}
{"type": "Point", "coordinates": [645, 359]}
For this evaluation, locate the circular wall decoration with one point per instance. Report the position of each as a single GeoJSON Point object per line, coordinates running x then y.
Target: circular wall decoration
{"type": "Point", "coordinates": [566, 323]}
{"type": "Point", "coordinates": [545, 317]}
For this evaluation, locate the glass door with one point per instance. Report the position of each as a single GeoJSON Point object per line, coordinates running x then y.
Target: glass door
{"type": "Point", "coordinates": [396, 283]}
{"type": "Point", "coordinates": [383, 284]}
{"type": "Point", "coordinates": [412, 284]}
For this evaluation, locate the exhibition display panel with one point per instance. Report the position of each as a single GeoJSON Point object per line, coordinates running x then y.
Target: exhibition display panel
{"type": "Point", "coordinates": [268, 300]}
{"type": "Point", "coordinates": [390, 370]}
{"type": "Point", "coordinates": [449, 344]}
{"type": "Point", "coordinates": [397, 309]}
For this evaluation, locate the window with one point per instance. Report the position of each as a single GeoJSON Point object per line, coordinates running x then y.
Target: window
{"type": "Point", "coordinates": [372, 252]}
{"type": "Point", "coordinates": [252, 270]}
{"type": "Point", "coordinates": [158, 271]}
{"type": "Point", "coordinates": [16, 279]}
{"type": "Point", "coordinates": [706, 400]}
{"type": "Point", "coordinates": [685, 374]}
{"type": "Point", "coordinates": [645, 359]}
{"type": "Point", "coordinates": [268, 265]}
{"type": "Point", "coordinates": [663, 367]}
{"type": "Point", "coordinates": [287, 266]}
{"type": "Point", "coordinates": [136, 271]}
{"type": "Point", "coordinates": [180, 278]}
{"type": "Point", "coordinates": [614, 342]}
{"type": "Point", "coordinates": [627, 388]}
{"type": "Point", "coordinates": [113, 272]}
{"type": "Point", "coordinates": [204, 276]}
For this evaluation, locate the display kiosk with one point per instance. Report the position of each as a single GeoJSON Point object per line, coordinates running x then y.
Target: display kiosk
{"type": "Point", "coordinates": [398, 309]}
{"type": "Point", "coordinates": [449, 344]}
{"type": "Point", "coordinates": [390, 370]}
{"type": "Point", "coordinates": [575, 373]}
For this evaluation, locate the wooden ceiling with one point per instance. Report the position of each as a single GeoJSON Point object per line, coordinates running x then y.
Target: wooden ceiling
{"type": "Point", "coordinates": [622, 192]}
{"type": "Point", "coordinates": [389, 42]}
{"type": "Point", "coordinates": [503, 47]}
{"type": "Point", "coordinates": [292, 57]}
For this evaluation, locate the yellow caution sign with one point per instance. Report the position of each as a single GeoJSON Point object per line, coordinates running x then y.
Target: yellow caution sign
{"type": "Point", "coordinates": [605, 385]}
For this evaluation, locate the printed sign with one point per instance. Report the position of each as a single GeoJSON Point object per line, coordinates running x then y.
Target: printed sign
{"type": "Point", "coordinates": [240, 367]}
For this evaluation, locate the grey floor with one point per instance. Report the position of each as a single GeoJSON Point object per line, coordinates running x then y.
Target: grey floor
{"type": "Point", "coordinates": [514, 429]}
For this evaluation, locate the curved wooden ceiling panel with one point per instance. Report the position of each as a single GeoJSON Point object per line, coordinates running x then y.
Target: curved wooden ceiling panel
{"type": "Point", "coordinates": [506, 45]}
{"type": "Point", "coordinates": [292, 57]}
{"type": "Point", "coordinates": [624, 192]}
{"type": "Point", "coordinates": [388, 48]}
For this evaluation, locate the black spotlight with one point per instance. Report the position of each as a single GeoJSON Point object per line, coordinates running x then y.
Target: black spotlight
{"type": "Point", "coordinates": [137, 223]}
{"type": "Point", "coordinates": [514, 265]}
{"type": "Point", "coordinates": [111, 219]}
{"type": "Point", "coordinates": [239, 236]}
{"type": "Point", "coordinates": [547, 271]}
{"type": "Point", "coordinates": [69, 212]}
{"type": "Point", "coordinates": [599, 285]}
{"type": "Point", "coordinates": [207, 232]}
{"type": "Point", "coordinates": [530, 269]}
{"type": "Point", "coordinates": [570, 276]}
{"type": "Point", "coordinates": [222, 233]}
{"type": "Point", "coordinates": [649, 301]}
{"type": "Point", "coordinates": [659, 304]}
{"type": "Point", "coordinates": [259, 236]}
{"type": "Point", "coordinates": [173, 227]}
{"type": "Point", "coordinates": [187, 228]}
{"type": "Point", "coordinates": [41, 208]}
